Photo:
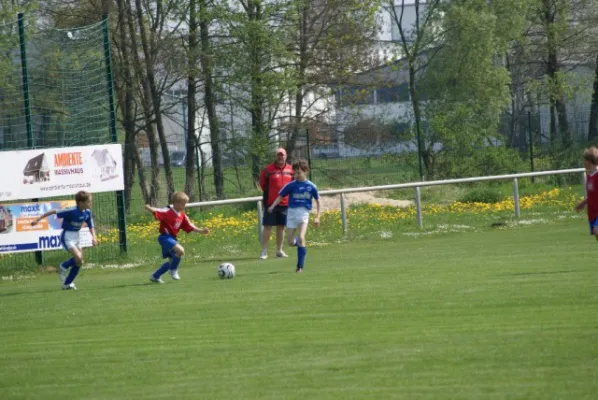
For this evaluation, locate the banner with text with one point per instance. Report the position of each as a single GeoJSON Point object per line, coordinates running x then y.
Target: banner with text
{"type": "Point", "coordinates": [31, 174]}
{"type": "Point", "coordinates": [17, 234]}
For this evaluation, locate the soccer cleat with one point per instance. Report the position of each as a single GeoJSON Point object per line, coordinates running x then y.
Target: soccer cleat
{"type": "Point", "coordinates": [299, 269]}
{"type": "Point", "coordinates": [156, 280]}
{"type": "Point", "coordinates": [281, 254]}
{"type": "Point", "coordinates": [62, 273]}
{"type": "Point", "coordinates": [264, 254]}
{"type": "Point", "coordinates": [69, 287]}
{"type": "Point", "coordinates": [174, 274]}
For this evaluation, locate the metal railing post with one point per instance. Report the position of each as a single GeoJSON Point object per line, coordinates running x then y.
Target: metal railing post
{"type": "Point", "coordinates": [260, 217]}
{"type": "Point", "coordinates": [516, 197]}
{"type": "Point", "coordinates": [418, 207]}
{"type": "Point", "coordinates": [343, 214]}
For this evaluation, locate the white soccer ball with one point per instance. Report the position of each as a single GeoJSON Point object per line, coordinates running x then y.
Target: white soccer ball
{"type": "Point", "coordinates": [226, 271]}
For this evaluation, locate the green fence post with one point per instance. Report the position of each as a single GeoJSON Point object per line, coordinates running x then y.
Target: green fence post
{"type": "Point", "coordinates": [120, 195]}
{"type": "Point", "coordinates": [531, 142]}
{"type": "Point", "coordinates": [308, 152]}
{"type": "Point", "coordinates": [39, 257]}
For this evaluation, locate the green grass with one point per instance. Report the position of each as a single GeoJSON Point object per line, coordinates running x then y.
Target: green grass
{"type": "Point", "coordinates": [491, 314]}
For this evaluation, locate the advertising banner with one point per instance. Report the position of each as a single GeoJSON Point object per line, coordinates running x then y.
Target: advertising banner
{"type": "Point", "coordinates": [32, 174]}
{"type": "Point", "coordinates": [17, 234]}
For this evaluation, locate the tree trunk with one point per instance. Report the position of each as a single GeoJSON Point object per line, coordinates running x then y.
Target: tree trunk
{"type": "Point", "coordinates": [556, 96]}
{"type": "Point", "coordinates": [192, 141]}
{"type": "Point", "coordinates": [301, 71]}
{"type": "Point", "coordinates": [155, 94]}
{"type": "Point", "coordinates": [207, 67]}
{"type": "Point", "coordinates": [258, 131]}
{"type": "Point", "coordinates": [124, 89]}
{"type": "Point", "coordinates": [147, 114]}
{"type": "Point", "coordinates": [593, 127]}
{"type": "Point", "coordinates": [417, 115]}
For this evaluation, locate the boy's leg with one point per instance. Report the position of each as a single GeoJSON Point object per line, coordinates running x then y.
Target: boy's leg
{"type": "Point", "coordinates": [177, 252]}
{"type": "Point", "coordinates": [64, 268]}
{"type": "Point", "coordinates": [78, 263]}
{"type": "Point", "coordinates": [291, 239]}
{"type": "Point", "coordinates": [167, 244]}
{"type": "Point", "coordinates": [301, 250]}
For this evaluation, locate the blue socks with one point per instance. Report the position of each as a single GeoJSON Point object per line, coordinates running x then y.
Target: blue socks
{"type": "Point", "coordinates": [162, 270]}
{"type": "Point", "coordinates": [69, 263]}
{"type": "Point", "coordinates": [301, 252]}
{"type": "Point", "coordinates": [72, 274]}
{"type": "Point", "coordinates": [173, 264]}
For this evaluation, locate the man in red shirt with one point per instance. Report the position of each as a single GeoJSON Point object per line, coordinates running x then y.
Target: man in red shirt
{"type": "Point", "coordinates": [590, 162]}
{"type": "Point", "coordinates": [272, 179]}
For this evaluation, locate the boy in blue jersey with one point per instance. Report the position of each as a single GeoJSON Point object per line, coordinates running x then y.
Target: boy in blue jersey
{"type": "Point", "coordinates": [301, 191]}
{"type": "Point", "coordinates": [73, 219]}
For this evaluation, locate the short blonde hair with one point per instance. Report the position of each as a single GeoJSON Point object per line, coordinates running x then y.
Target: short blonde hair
{"type": "Point", "coordinates": [591, 154]}
{"type": "Point", "coordinates": [180, 197]}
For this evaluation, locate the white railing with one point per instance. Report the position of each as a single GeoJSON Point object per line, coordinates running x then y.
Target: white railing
{"type": "Point", "coordinates": [416, 185]}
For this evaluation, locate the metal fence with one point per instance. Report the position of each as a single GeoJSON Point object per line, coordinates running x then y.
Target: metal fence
{"type": "Point", "coordinates": [56, 91]}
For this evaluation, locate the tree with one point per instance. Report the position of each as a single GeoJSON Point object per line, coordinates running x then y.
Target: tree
{"type": "Point", "coordinates": [419, 42]}
{"type": "Point", "coordinates": [207, 70]}
{"type": "Point", "coordinates": [593, 124]}
{"type": "Point", "coordinates": [192, 141]}
{"type": "Point", "coordinates": [256, 59]}
{"type": "Point", "coordinates": [332, 40]}
{"type": "Point", "coordinates": [467, 84]}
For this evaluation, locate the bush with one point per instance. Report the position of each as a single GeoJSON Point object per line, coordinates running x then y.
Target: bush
{"type": "Point", "coordinates": [482, 195]}
{"type": "Point", "coordinates": [470, 162]}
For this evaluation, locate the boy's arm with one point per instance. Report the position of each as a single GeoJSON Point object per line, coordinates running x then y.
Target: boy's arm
{"type": "Point", "coordinates": [581, 204]}
{"type": "Point", "coordinates": [188, 227]}
{"type": "Point", "coordinates": [151, 209]}
{"type": "Point", "coordinates": [203, 231]}
{"type": "Point", "coordinates": [44, 215]}
{"type": "Point", "coordinates": [276, 202]}
{"type": "Point", "coordinates": [94, 240]}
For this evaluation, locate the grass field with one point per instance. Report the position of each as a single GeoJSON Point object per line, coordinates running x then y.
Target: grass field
{"type": "Point", "coordinates": [498, 314]}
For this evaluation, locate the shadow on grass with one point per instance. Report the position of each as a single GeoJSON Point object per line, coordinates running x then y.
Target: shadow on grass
{"type": "Point", "coordinates": [30, 292]}
{"type": "Point", "coordinates": [545, 273]}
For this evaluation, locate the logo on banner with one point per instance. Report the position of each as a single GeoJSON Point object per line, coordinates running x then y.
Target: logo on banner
{"type": "Point", "coordinates": [36, 170]}
{"type": "Point", "coordinates": [106, 164]}
{"type": "Point", "coordinates": [49, 242]}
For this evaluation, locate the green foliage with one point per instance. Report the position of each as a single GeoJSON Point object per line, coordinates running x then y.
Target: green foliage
{"type": "Point", "coordinates": [469, 162]}
{"type": "Point", "coordinates": [482, 195]}
{"type": "Point", "coordinates": [469, 89]}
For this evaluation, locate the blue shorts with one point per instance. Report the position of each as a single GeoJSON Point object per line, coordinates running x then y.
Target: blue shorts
{"type": "Point", "coordinates": [167, 243]}
{"type": "Point", "coordinates": [593, 224]}
{"type": "Point", "coordinates": [276, 218]}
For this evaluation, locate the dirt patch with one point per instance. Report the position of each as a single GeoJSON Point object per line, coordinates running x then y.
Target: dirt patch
{"type": "Point", "coordinates": [48, 269]}
{"type": "Point", "coordinates": [328, 202]}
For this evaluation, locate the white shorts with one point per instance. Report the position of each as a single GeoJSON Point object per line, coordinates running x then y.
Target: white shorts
{"type": "Point", "coordinates": [70, 239]}
{"type": "Point", "coordinates": [297, 216]}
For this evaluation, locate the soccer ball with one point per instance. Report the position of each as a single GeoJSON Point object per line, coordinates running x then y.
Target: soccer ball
{"type": "Point", "coordinates": [226, 271]}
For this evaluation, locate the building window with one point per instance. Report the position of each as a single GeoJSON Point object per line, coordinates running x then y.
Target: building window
{"type": "Point", "coordinates": [394, 94]}
{"type": "Point", "coordinates": [357, 95]}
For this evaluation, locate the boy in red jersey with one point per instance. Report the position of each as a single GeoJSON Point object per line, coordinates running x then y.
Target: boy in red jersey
{"type": "Point", "coordinates": [172, 219]}
{"type": "Point", "coordinates": [590, 162]}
